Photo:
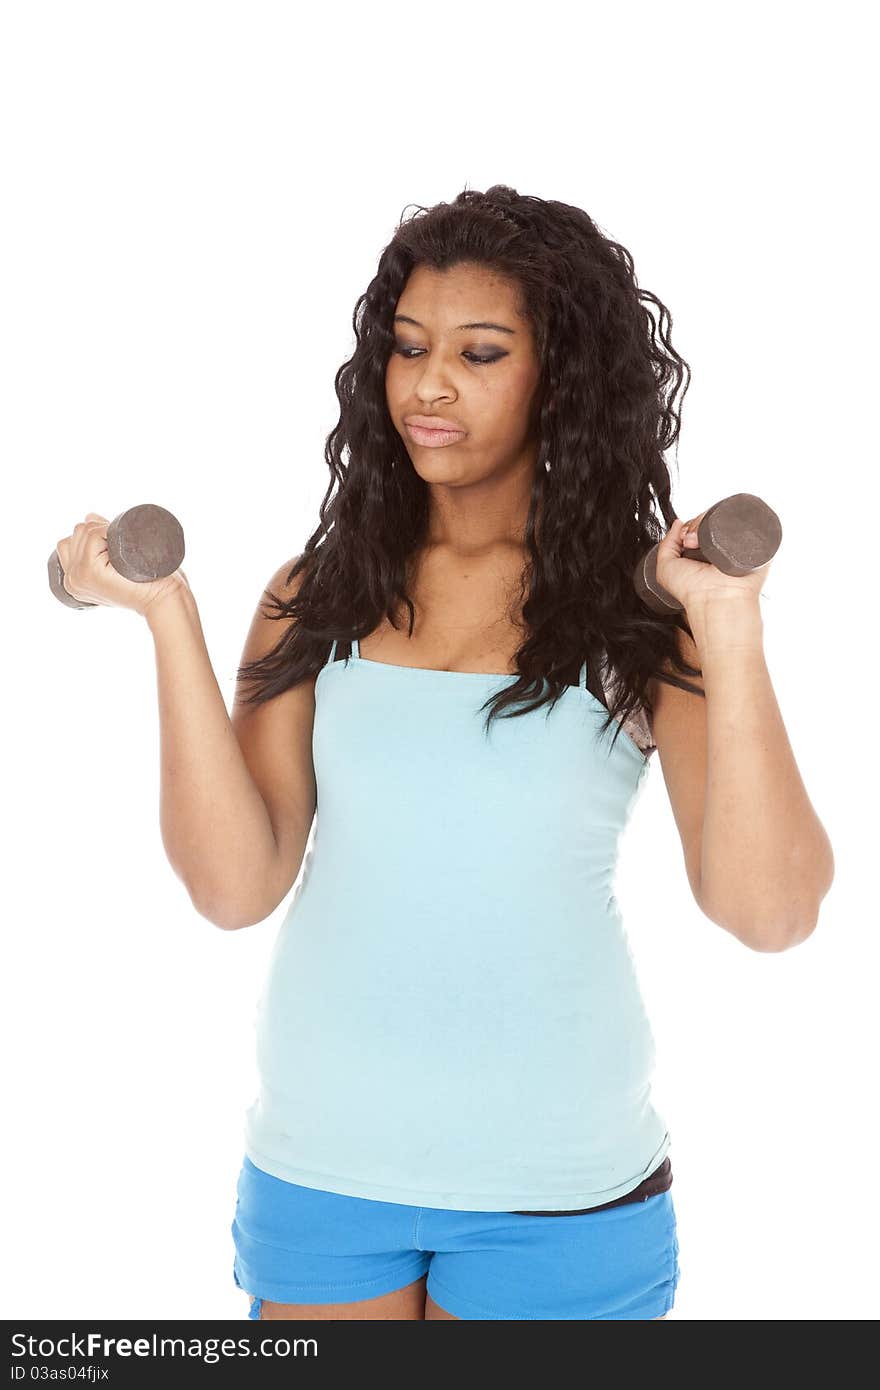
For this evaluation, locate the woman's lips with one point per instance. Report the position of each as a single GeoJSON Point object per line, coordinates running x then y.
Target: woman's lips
{"type": "Point", "coordinates": [434, 439]}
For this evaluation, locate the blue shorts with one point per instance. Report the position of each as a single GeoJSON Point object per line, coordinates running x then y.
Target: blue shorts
{"type": "Point", "coordinates": [298, 1244]}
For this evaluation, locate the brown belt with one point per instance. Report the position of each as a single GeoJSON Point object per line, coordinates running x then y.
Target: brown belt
{"type": "Point", "coordinates": [655, 1182]}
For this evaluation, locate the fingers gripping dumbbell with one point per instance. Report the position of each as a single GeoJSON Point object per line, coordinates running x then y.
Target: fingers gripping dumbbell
{"type": "Point", "coordinates": [737, 535]}
{"type": "Point", "coordinates": [143, 544]}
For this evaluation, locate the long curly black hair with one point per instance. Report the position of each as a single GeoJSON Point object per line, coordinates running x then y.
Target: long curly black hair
{"type": "Point", "coordinates": [607, 391]}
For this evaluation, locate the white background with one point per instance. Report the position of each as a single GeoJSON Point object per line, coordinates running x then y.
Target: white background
{"type": "Point", "coordinates": [194, 197]}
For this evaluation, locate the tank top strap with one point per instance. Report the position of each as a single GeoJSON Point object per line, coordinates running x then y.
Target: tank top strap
{"type": "Point", "coordinates": [356, 648]}
{"type": "Point", "coordinates": [332, 656]}
{"type": "Point", "coordinates": [582, 682]}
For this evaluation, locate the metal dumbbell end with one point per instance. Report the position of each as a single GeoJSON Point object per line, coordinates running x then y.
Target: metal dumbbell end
{"type": "Point", "coordinates": [737, 535]}
{"type": "Point", "coordinates": [144, 543]}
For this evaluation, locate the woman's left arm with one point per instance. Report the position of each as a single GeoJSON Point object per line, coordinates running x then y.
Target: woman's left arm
{"type": "Point", "coordinates": [763, 846]}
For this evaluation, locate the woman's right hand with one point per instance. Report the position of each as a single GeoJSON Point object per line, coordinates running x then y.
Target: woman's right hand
{"type": "Point", "coordinates": [90, 577]}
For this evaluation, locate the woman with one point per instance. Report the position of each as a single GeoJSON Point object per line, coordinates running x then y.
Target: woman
{"type": "Point", "coordinates": [454, 1117]}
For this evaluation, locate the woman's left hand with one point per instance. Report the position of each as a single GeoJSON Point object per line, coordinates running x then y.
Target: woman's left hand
{"type": "Point", "coordinates": [694, 581]}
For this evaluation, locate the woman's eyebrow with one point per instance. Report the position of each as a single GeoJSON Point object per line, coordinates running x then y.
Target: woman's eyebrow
{"type": "Point", "coordinates": [498, 327]}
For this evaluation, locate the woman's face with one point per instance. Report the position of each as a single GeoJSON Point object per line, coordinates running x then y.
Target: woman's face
{"type": "Point", "coordinates": [480, 380]}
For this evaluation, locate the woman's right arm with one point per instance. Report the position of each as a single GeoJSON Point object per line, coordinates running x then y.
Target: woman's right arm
{"type": "Point", "coordinates": [215, 822]}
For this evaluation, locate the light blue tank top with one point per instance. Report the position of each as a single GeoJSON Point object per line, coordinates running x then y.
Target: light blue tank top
{"type": "Point", "coordinates": [451, 1015]}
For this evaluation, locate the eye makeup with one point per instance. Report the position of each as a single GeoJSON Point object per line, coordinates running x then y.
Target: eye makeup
{"type": "Point", "coordinates": [403, 351]}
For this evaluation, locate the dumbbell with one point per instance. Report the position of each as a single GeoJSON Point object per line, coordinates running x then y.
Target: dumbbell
{"type": "Point", "coordinates": [144, 543]}
{"type": "Point", "coordinates": [737, 535]}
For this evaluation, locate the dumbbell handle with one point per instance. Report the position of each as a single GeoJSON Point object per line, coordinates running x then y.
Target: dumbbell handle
{"type": "Point", "coordinates": [739, 534]}
{"type": "Point", "coordinates": [143, 543]}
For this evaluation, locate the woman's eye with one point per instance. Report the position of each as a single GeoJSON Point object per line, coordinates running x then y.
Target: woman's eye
{"type": "Point", "coordinates": [471, 356]}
